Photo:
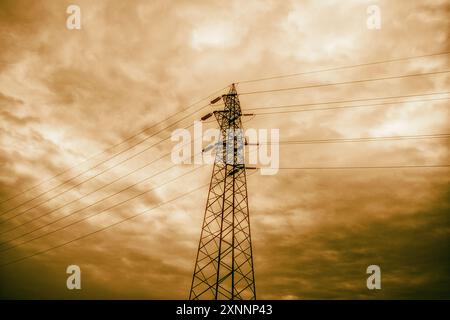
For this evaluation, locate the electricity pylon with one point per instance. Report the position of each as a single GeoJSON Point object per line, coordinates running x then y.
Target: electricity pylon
{"type": "Point", "coordinates": [224, 265]}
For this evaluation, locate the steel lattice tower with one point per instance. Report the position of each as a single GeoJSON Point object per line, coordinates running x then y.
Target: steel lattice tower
{"type": "Point", "coordinates": [224, 265]}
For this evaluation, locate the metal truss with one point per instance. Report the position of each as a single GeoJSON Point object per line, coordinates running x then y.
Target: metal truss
{"type": "Point", "coordinates": [224, 265]}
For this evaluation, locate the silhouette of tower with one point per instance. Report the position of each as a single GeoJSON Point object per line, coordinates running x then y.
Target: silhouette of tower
{"type": "Point", "coordinates": [224, 265]}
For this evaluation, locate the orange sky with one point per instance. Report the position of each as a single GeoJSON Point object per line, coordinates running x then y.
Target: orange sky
{"type": "Point", "coordinates": [68, 94]}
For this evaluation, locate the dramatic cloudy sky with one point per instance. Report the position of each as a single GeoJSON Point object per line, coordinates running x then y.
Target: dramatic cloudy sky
{"type": "Point", "coordinates": [65, 95]}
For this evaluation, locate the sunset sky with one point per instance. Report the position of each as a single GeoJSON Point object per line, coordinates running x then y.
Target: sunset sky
{"type": "Point", "coordinates": [66, 95]}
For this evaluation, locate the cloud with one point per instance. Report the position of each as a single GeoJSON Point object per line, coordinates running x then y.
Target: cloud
{"type": "Point", "coordinates": [65, 95]}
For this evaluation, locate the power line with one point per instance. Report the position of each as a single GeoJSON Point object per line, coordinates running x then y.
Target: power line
{"type": "Point", "coordinates": [57, 195]}
{"type": "Point", "coordinates": [346, 101]}
{"type": "Point", "coordinates": [345, 82]}
{"type": "Point", "coordinates": [136, 154]}
{"type": "Point", "coordinates": [364, 139]}
{"type": "Point", "coordinates": [78, 184]}
{"type": "Point", "coordinates": [343, 67]}
{"type": "Point", "coordinates": [93, 215]}
{"type": "Point", "coordinates": [81, 209]}
{"type": "Point", "coordinates": [313, 141]}
{"type": "Point", "coordinates": [163, 140]}
{"type": "Point", "coordinates": [257, 114]}
{"type": "Point", "coordinates": [88, 217]}
{"type": "Point", "coordinates": [354, 106]}
{"type": "Point", "coordinates": [114, 146]}
{"type": "Point", "coordinates": [78, 210]}
{"type": "Point", "coordinates": [367, 167]}
{"type": "Point", "coordinates": [254, 80]}
{"type": "Point", "coordinates": [102, 229]}
{"type": "Point", "coordinates": [107, 169]}
{"type": "Point", "coordinates": [85, 195]}
{"type": "Point", "coordinates": [108, 226]}
{"type": "Point", "coordinates": [98, 201]}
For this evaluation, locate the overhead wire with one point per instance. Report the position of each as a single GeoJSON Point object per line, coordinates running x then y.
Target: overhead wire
{"type": "Point", "coordinates": [343, 67]}
{"type": "Point", "coordinates": [101, 229]}
{"type": "Point", "coordinates": [286, 142]}
{"type": "Point", "coordinates": [361, 139]}
{"type": "Point", "coordinates": [95, 214]}
{"type": "Point", "coordinates": [116, 145]}
{"type": "Point", "coordinates": [90, 205]}
{"type": "Point", "coordinates": [106, 227]}
{"type": "Point", "coordinates": [96, 175]}
{"type": "Point", "coordinates": [344, 82]}
{"type": "Point", "coordinates": [97, 189]}
{"type": "Point", "coordinates": [347, 101]}
{"type": "Point", "coordinates": [367, 167]}
{"type": "Point", "coordinates": [352, 106]}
